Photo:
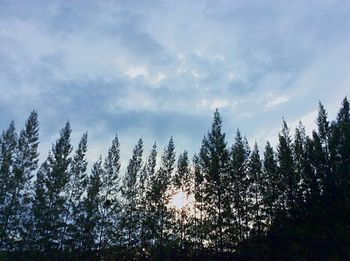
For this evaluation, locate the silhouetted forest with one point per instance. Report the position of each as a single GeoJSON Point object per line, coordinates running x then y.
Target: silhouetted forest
{"type": "Point", "coordinates": [291, 202]}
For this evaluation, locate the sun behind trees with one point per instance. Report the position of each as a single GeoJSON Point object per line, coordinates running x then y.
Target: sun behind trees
{"type": "Point", "coordinates": [294, 202]}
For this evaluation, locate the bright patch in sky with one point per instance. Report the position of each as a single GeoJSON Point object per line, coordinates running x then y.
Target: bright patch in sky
{"type": "Point", "coordinates": [179, 200]}
{"type": "Point", "coordinates": [136, 71]}
{"type": "Point", "coordinates": [276, 101]}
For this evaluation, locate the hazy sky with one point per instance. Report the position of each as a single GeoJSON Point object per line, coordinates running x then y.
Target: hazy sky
{"type": "Point", "coordinates": [153, 69]}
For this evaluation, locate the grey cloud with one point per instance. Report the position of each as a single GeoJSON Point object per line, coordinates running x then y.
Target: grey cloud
{"type": "Point", "coordinates": [269, 47]}
{"type": "Point", "coordinates": [141, 44]}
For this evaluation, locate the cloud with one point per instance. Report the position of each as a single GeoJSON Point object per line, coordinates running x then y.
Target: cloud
{"type": "Point", "coordinates": [159, 69]}
{"type": "Point", "coordinates": [136, 71]}
{"type": "Point", "coordinates": [275, 101]}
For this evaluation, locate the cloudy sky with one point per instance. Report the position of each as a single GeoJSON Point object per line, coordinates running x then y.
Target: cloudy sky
{"type": "Point", "coordinates": [155, 69]}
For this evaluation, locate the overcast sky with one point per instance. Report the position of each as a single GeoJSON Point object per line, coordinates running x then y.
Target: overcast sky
{"type": "Point", "coordinates": [155, 69]}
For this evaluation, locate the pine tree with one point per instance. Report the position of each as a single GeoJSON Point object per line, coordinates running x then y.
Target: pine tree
{"type": "Point", "coordinates": [322, 125]}
{"type": "Point", "coordinates": [160, 196]}
{"type": "Point", "coordinates": [38, 237]}
{"type": "Point", "coordinates": [20, 159]}
{"type": "Point", "coordinates": [91, 218]}
{"type": "Point", "coordinates": [146, 203]}
{"type": "Point", "coordinates": [182, 177]}
{"type": "Point", "coordinates": [26, 164]}
{"type": "Point", "coordinates": [74, 191]}
{"type": "Point", "coordinates": [255, 191]}
{"type": "Point", "coordinates": [198, 226]}
{"type": "Point", "coordinates": [214, 165]}
{"type": "Point", "coordinates": [51, 183]}
{"type": "Point", "coordinates": [343, 123]}
{"type": "Point", "coordinates": [165, 173]}
{"type": "Point", "coordinates": [271, 181]}
{"type": "Point", "coordinates": [110, 209]}
{"type": "Point", "coordinates": [341, 169]}
{"type": "Point", "coordinates": [314, 171]}
{"type": "Point", "coordinates": [130, 198]}
{"type": "Point", "coordinates": [321, 142]}
{"type": "Point", "coordinates": [289, 181]}
{"type": "Point", "coordinates": [182, 184]}
{"type": "Point", "coordinates": [239, 184]}
{"type": "Point", "coordinates": [301, 163]}
{"type": "Point", "coordinates": [9, 185]}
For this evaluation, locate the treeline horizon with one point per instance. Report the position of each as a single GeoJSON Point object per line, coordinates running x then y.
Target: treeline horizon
{"type": "Point", "coordinates": [288, 202]}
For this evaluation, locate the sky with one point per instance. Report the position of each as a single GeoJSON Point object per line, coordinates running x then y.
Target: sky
{"type": "Point", "coordinates": [155, 69]}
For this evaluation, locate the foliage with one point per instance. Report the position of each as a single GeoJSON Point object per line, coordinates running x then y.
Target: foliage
{"type": "Point", "coordinates": [292, 202]}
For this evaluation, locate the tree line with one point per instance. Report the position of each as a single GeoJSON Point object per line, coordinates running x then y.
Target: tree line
{"type": "Point", "coordinates": [288, 202]}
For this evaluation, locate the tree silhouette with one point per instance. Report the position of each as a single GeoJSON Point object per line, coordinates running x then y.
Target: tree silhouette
{"type": "Point", "coordinates": [288, 202]}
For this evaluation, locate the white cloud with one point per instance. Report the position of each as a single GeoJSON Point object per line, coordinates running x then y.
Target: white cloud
{"type": "Point", "coordinates": [158, 78]}
{"type": "Point", "coordinates": [213, 104]}
{"type": "Point", "coordinates": [196, 74]}
{"type": "Point", "coordinates": [276, 101]}
{"type": "Point", "coordinates": [136, 71]}
{"type": "Point", "coordinates": [218, 57]}
{"type": "Point", "coordinates": [219, 103]}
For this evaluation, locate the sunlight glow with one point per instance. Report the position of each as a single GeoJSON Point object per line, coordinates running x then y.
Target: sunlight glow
{"type": "Point", "coordinates": [179, 200]}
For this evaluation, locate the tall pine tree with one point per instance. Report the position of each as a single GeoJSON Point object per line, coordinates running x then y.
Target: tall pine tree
{"type": "Point", "coordinates": [239, 184]}
{"type": "Point", "coordinates": [110, 192]}
{"type": "Point", "coordinates": [255, 191]}
{"type": "Point", "coordinates": [182, 184]}
{"type": "Point", "coordinates": [51, 183]}
{"type": "Point", "coordinates": [74, 191]}
{"type": "Point", "coordinates": [91, 215]}
{"type": "Point", "coordinates": [289, 179]}
{"type": "Point", "coordinates": [271, 182]}
{"type": "Point", "coordinates": [160, 196]}
{"type": "Point", "coordinates": [129, 192]}
{"type": "Point", "coordinates": [26, 164]}
{"type": "Point", "coordinates": [9, 183]}
{"type": "Point", "coordinates": [214, 165]}
{"type": "Point", "coordinates": [146, 203]}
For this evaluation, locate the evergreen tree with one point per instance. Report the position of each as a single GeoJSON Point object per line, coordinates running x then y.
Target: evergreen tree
{"type": "Point", "coordinates": [146, 203]}
{"type": "Point", "coordinates": [9, 185]}
{"type": "Point", "coordinates": [255, 191]}
{"type": "Point", "coordinates": [26, 164]}
{"type": "Point", "coordinates": [313, 173]}
{"type": "Point", "coordinates": [319, 160]}
{"type": "Point", "coordinates": [182, 177]}
{"type": "Point", "coordinates": [91, 218]}
{"type": "Point", "coordinates": [198, 226]}
{"type": "Point", "coordinates": [321, 142]}
{"type": "Point", "coordinates": [129, 193]}
{"type": "Point", "coordinates": [289, 179]}
{"type": "Point", "coordinates": [75, 188]}
{"type": "Point", "coordinates": [160, 196]}
{"type": "Point", "coordinates": [182, 184]}
{"type": "Point", "coordinates": [271, 182]}
{"type": "Point", "coordinates": [301, 163]}
{"type": "Point", "coordinates": [51, 183]}
{"type": "Point", "coordinates": [239, 184]}
{"type": "Point", "coordinates": [340, 165]}
{"type": "Point", "coordinates": [19, 161]}
{"type": "Point", "coordinates": [165, 173]}
{"type": "Point", "coordinates": [39, 236]}
{"type": "Point", "coordinates": [110, 190]}
{"type": "Point", "coordinates": [322, 125]}
{"type": "Point", "coordinates": [343, 148]}
{"type": "Point", "coordinates": [214, 165]}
